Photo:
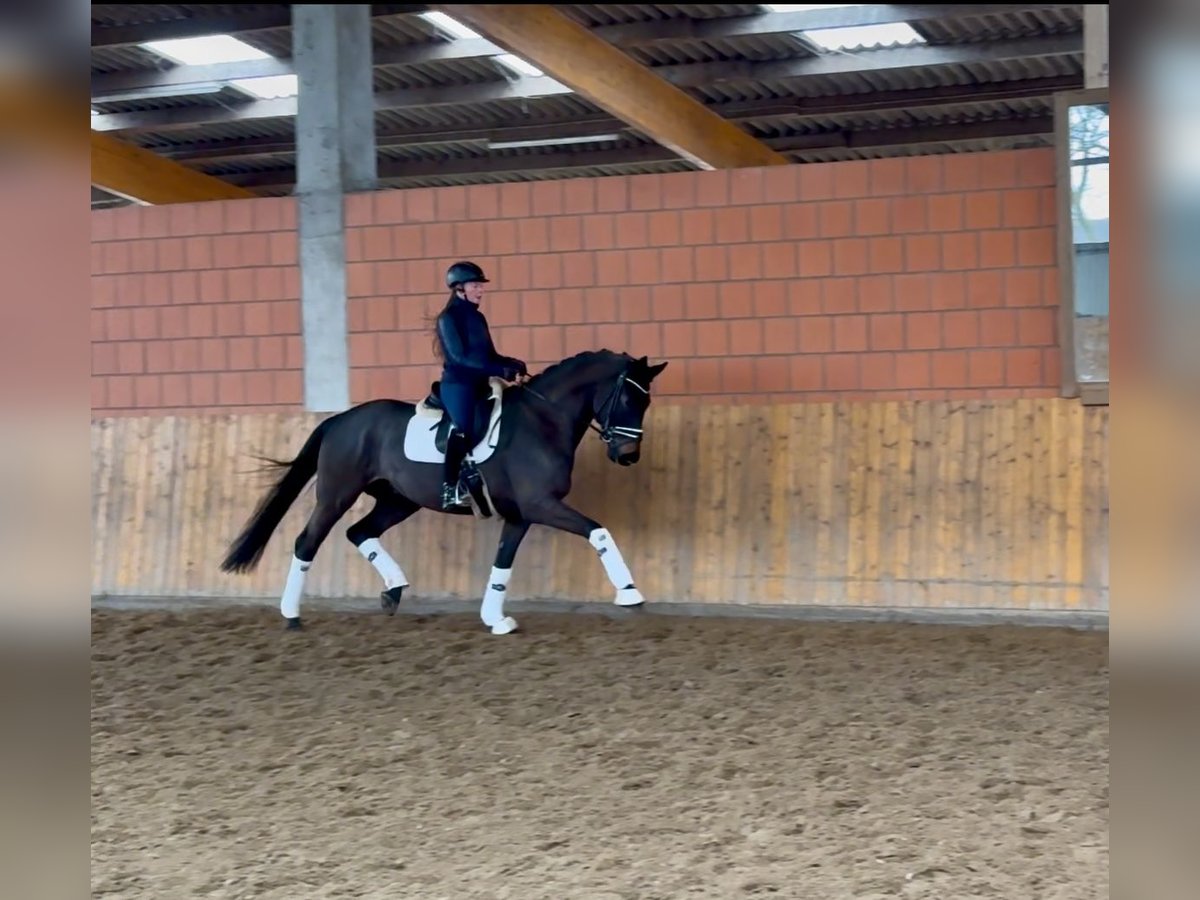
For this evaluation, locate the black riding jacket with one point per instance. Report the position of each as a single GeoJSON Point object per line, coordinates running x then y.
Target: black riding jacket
{"type": "Point", "coordinates": [469, 354]}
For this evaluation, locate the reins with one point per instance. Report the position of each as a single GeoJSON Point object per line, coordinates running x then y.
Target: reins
{"type": "Point", "coordinates": [608, 432]}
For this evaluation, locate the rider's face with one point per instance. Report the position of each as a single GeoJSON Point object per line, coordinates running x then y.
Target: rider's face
{"type": "Point", "coordinates": [473, 290]}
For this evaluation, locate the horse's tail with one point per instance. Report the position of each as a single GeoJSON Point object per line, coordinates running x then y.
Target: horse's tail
{"type": "Point", "coordinates": [247, 550]}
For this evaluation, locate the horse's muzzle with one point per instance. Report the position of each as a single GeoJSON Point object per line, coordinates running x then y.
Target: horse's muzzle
{"type": "Point", "coordinates": [626, 454]}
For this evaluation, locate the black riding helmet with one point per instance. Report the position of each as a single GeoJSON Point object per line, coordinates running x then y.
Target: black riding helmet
{"type": "Point", "coordinates": [462, 272]}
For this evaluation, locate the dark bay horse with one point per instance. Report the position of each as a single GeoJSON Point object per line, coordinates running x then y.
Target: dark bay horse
{"type": "Point", "coordinates": [386, 449]}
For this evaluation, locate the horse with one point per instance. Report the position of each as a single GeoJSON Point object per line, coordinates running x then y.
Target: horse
{"type": "Point", "coordinates": [392, 450]}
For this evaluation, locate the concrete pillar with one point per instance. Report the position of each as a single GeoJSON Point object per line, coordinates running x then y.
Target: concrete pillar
{"type": "Point", "coordinates": [335, 153]}
{"type": "Point", "coordinates": [1095, 45]}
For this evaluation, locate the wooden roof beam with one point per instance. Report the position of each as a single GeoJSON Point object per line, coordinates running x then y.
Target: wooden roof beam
{"type": "Point", "coordinates": [569, 53]}
{"type": "Point", "coordinates": [229, 19]}
{"type": "Point", "coordinates": [141, 175]}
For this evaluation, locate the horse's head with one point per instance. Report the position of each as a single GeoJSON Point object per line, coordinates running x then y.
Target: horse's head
{"type": "Point", "coordinates": [620, 409]}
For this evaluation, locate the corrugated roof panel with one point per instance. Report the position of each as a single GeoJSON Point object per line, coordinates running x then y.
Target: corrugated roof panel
{"type": "Point", "coordinates": [918, 118]}
{"type": "Point", "coordinates": [198, 135]}
{"type": "Point", "coordinates": [1001, 26]}
{"type": "Point", "coordinates": [512, 111]}
{"type": "Point", "coordinates": [245, 166]}
{"type": "Point", "coordinates": [736, 92]}
{"type": "Point", "coordinates": [227, 97]}
{"type": "Point", "coordinates": [447, 150]}
{"type": "Point", "coordinates": [836, 154]}
{"type": "Point", "coordinates": [419, 119]}
{"type": "Point", "coordinates": [402, 31]}
{"type": "Point", "coordinates": [126, 59]}
{"type": "Point", "coordinates": [695, 50]}
{"type": "Point", "coordinates": [899, 79]}
{"type": "Point", "coordinates": [265, 162]}
{"type": "Point", "coordinates": [779, 126]}
{"type": "Point", "coordinates": [442, 73]}
{"type": "Point", "coordinates": [116, 14]}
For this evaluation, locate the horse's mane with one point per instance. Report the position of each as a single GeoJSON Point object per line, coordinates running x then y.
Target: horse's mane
{"type": "Point", "coordinates": [573, 362]}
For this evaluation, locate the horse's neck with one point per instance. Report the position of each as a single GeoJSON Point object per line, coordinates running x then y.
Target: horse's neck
{"type": "Point", "coordinates": [573, 393]}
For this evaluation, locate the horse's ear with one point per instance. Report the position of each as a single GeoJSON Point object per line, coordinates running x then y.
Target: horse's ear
{"type": "Point", "coordinates": [655, 371]}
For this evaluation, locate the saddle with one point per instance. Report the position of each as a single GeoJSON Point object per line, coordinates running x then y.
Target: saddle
{"type": "Point", "coordinates": [431, 408]}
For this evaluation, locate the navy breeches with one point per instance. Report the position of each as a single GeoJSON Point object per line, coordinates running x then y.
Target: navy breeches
{"type": "Point", "coordinates": [460, 401]}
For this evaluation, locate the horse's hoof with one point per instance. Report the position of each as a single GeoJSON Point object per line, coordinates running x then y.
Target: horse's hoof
{"type": "Point", "coordinates": [389, 600]}
{"type": "Point", "coordinates": [507, 625]}
{"type": "Point", "coordinates": [294, 624]}
{"type": "Point", "coordinates": [629, 596]}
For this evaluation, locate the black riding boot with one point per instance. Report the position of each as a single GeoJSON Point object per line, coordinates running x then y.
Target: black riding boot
{"type": "Point", "coordinates": [456, 450]}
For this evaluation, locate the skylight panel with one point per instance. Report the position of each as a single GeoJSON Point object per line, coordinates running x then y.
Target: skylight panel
{"type": "Point", "coordinates": [518, 65]}
{"type": "Point", "coordinates": [450, 25]}
{"type": "Point", "coordinates": [271, 87]}
{"type": "Point", "coordinates": [860, 36]}
{"type": "Point", "coordinates": [201, 51]}
{"type": "Point", "coordinates": [800, 7]}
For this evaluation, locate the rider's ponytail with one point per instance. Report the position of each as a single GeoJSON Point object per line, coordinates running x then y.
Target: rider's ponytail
{"type": "Point", "coordinates": [437, 344]}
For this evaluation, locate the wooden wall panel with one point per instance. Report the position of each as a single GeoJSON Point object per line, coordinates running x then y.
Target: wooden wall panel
{"type": "Point", "coordinates": [954, 504]}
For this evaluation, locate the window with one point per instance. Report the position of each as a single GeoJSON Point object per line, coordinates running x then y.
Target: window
{"type": "Point", "coordinates": [1082, 142]}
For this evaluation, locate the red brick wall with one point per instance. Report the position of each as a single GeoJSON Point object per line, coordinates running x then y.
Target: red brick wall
{"type": "Point", "coordinates": [196, 306]}
{"type": "Point", "coordinates": [928, 277]}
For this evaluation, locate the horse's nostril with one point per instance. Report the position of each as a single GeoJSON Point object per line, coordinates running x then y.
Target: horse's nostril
{"type": "Point", "coordinates": [628, 458]}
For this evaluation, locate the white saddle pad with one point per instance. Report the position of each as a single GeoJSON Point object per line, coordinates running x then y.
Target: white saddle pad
{"type": "Point", "coordinates": [422, 428]}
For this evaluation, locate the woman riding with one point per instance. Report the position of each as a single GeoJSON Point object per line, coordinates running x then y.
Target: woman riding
{"type": "Point", "coordinates": [469, 360]}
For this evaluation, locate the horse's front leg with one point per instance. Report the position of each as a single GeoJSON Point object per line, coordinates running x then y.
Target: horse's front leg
{"type": "Point", "coordinates": [492, 609]}
{"type": "Point", "coordinates": [557, 514]}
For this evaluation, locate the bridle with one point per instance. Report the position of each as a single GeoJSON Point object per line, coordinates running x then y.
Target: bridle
{"type": "Point", "coordinates": [608, 432]}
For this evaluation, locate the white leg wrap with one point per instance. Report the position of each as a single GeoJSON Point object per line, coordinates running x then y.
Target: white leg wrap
{"type": "Point", "coordinates": [492, 610]}
{"type": "Point", "coordinates": [293, 589]}
{"type": "Point", "coordinates": [614, 566]}
{"type": "Point", "coordinates": [389, 570]}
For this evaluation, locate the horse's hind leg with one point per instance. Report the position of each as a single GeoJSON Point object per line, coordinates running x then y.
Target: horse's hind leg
{"type": "Point", "coordinates": [390, 509]}
{"type": "Point", "coordinates": [330, 507]}
{"type": "Point", "coordinates": [556, 514]}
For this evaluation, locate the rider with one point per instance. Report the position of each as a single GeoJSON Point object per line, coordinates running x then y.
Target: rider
{"type": "Point", "coordinates": [469, 359]}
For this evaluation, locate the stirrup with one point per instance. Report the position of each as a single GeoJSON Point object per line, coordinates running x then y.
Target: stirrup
{"type": "Point", "coordinates": [452, 496]}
